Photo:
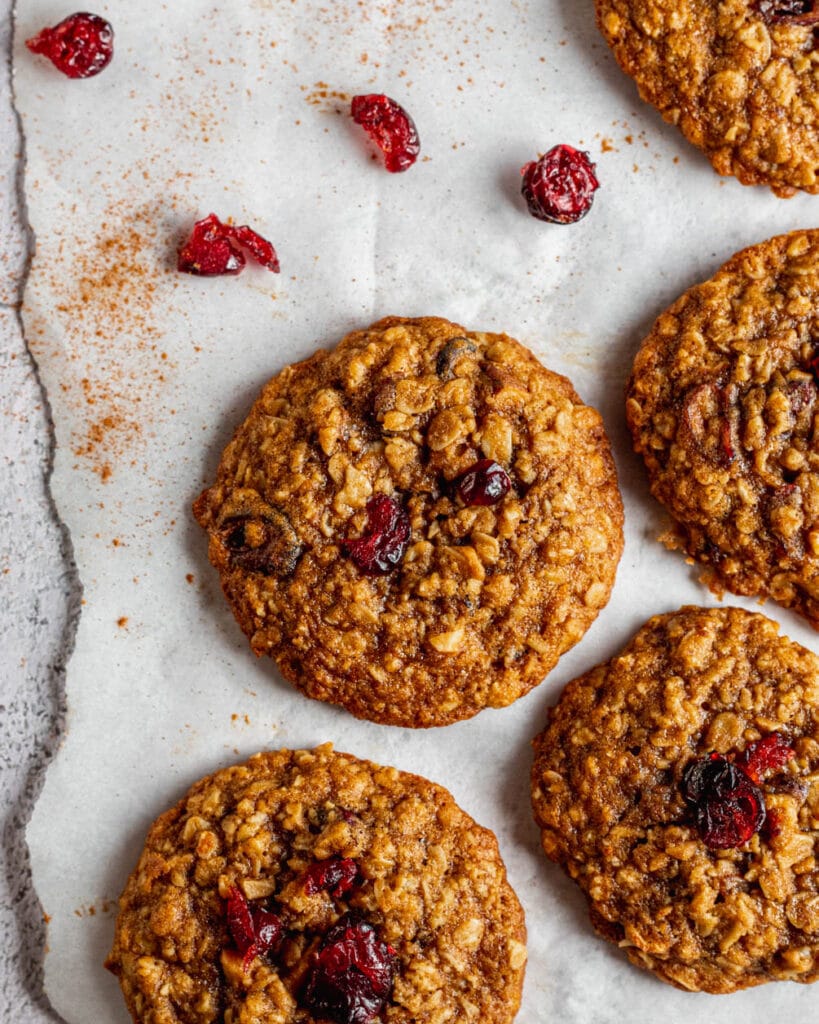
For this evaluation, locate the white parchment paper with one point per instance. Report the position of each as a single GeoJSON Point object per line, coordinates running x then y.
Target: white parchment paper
{"type": "Point", "coordinates": [232, 108]}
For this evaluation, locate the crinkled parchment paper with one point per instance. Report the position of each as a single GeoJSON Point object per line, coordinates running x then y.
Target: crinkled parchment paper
{"type": "Point", "coordinates": [240, 109]}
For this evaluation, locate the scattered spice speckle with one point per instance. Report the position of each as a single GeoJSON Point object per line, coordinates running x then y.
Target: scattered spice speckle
{"type": "Point", "coordinates": [109, 363]}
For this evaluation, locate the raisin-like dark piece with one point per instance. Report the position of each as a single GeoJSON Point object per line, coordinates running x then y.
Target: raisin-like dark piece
{"type": "Point", "coordinates": [215, 248]}
{"type": "Point", "coordinates": [268, 928]}
{"type": "Point", "coordinates": [81, 45]}
{"type": "Point", "coordinates": [351, 978]}
{"type": "Point", "coordinates": [390, 127]}
{"type": "Point", "coordinates": [485, 483]}
{"type": "Point", "coordinates": [560, 186]}
{"type": "Point", "coordinates": [335, 875]}
{"type": "Point", "coordinates": [383, 544]}
{"type": "Point", "coordinates": [727, 805]}
{"type": "Point", "coordinates": [265, 544]}
{"type": "Point", "coordinates": [450, 354]}
{"type": "Point", "coordinates": [797, 12]}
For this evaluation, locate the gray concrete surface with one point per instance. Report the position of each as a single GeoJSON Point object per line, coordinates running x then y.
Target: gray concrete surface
{"type": "Point", "coordinates": [39, 592]}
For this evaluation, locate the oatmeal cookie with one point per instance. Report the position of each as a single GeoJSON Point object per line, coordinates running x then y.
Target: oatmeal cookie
{"type": "Point", "coordinates": [416, 524]}
{"type": "Point", "coordinates": [722, 404]}
{"type": "Point", "coordinates": [312, 886]}
{"type": "Point", "coordinates": [678, 785]}
{"type": "Point", "coordinates": [738, 77]}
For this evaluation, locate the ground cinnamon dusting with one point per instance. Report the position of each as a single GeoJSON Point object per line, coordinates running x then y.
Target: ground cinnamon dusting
{"type": "Point", "coordinates": [109, 350]}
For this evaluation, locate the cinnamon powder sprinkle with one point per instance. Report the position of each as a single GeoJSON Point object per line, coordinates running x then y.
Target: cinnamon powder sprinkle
{"type": "Point", "coordinates": [110, 344]}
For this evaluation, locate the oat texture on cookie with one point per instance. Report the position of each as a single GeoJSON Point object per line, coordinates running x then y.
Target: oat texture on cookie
{"type": "Point", "coordinates": [620, 785]}
{"type": "Point", "coordinates": [722, 405]}
{"type": "Point", "coordinates": [313, 886]}
{"type": "Point", "coordinates": [738, 77]}
{"type": "Point", "coordinates": [417, 523]}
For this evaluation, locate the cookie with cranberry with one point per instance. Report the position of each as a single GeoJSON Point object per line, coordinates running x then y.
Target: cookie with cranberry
{"type": "Point", "coordinates": [416, 524]}
{"type": "Point", "coordinates": [738, 77]}
{"type": "Point", "coordinates": [722, 404]}
{"type": "Point", "coordinates": [312, 886]}
{"type": "Point", "coordinates": [678, 785]}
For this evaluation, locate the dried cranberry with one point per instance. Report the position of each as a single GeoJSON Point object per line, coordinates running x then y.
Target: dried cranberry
{"type": "Point", "coordinates": [727, 806]}
{"type": "Point", "coordinates": [240, 921]}
{"type": "Point", "coordinates": [390, 127]}
{"type": "Point", "coordinates": [351, 978]}
{"type": "Point", "coordinates": [335, 875]}
{"type": "Point", "coordinates": [485, 483]}
{"type": "Point", "coordinates": [81, 45]}
{"type": "Point", "coordinates": [383, 545]}
{"type": "Point", "coordinates": [255, 931]}
{"type": "Point", "coordinates": [798, 12]}
{"type": "Point", "coordinates": [268, 929]}
{"type": "Point", "coordinates": [560, 186]}
{"type": "Point", "coordinates": [216, 248]}
{"type": "Point", "coordinates": [771, 753]}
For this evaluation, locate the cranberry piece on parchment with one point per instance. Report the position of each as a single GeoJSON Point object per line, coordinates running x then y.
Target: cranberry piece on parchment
{"type": "Point", "coordinates": [560, 186]}
{"type": "Point", "coordinates": [215, 248]}
{"type": "Point", "coordinates": [80, 46]}
{"type": "Point", "coordinates": [390, 127]}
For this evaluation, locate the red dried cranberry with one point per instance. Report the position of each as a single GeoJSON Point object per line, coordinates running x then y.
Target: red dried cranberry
{"type": "Point", "coordinates": [390, 127]}
{"type": "Point", "coordinates": [81, 45]}
{"type": "Point", "coordinates": [560, 186]}
{"type": "Point", "coordinates": [771, 753]}
{"type": "Point", "coordinates": [255, 931]}
{"type": "Point", "coordinates": [727, 806]}
{"type": "Point", "coordinates": [383, 545]}
{"type": "Point", "coordinates": [268, 928]}
{"type": "Point", "coordinates": [351, 978]}
{"type": "Point", "coordinates": [240, 921]}
{"type": "Point", "coordinates": [485, 483]}
{"type": "Point", "coordinates": [798, 12]}
{"type": "Point", "coordinates": [216, 248]}
{"type": "Point", "coordinates": [335, 875]}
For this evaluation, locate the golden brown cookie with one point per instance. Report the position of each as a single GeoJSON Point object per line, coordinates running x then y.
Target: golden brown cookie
{"type": "Point", "coordinates": [722, 404]}
{"type": "Point", "coordinates": [678, 785]}
{"type": "Point", "coordinates": [738, 77]}
{"type": "Point", "coordinates": [416, 524]}
{"type": "Point", "coordinates": [311, 886]}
